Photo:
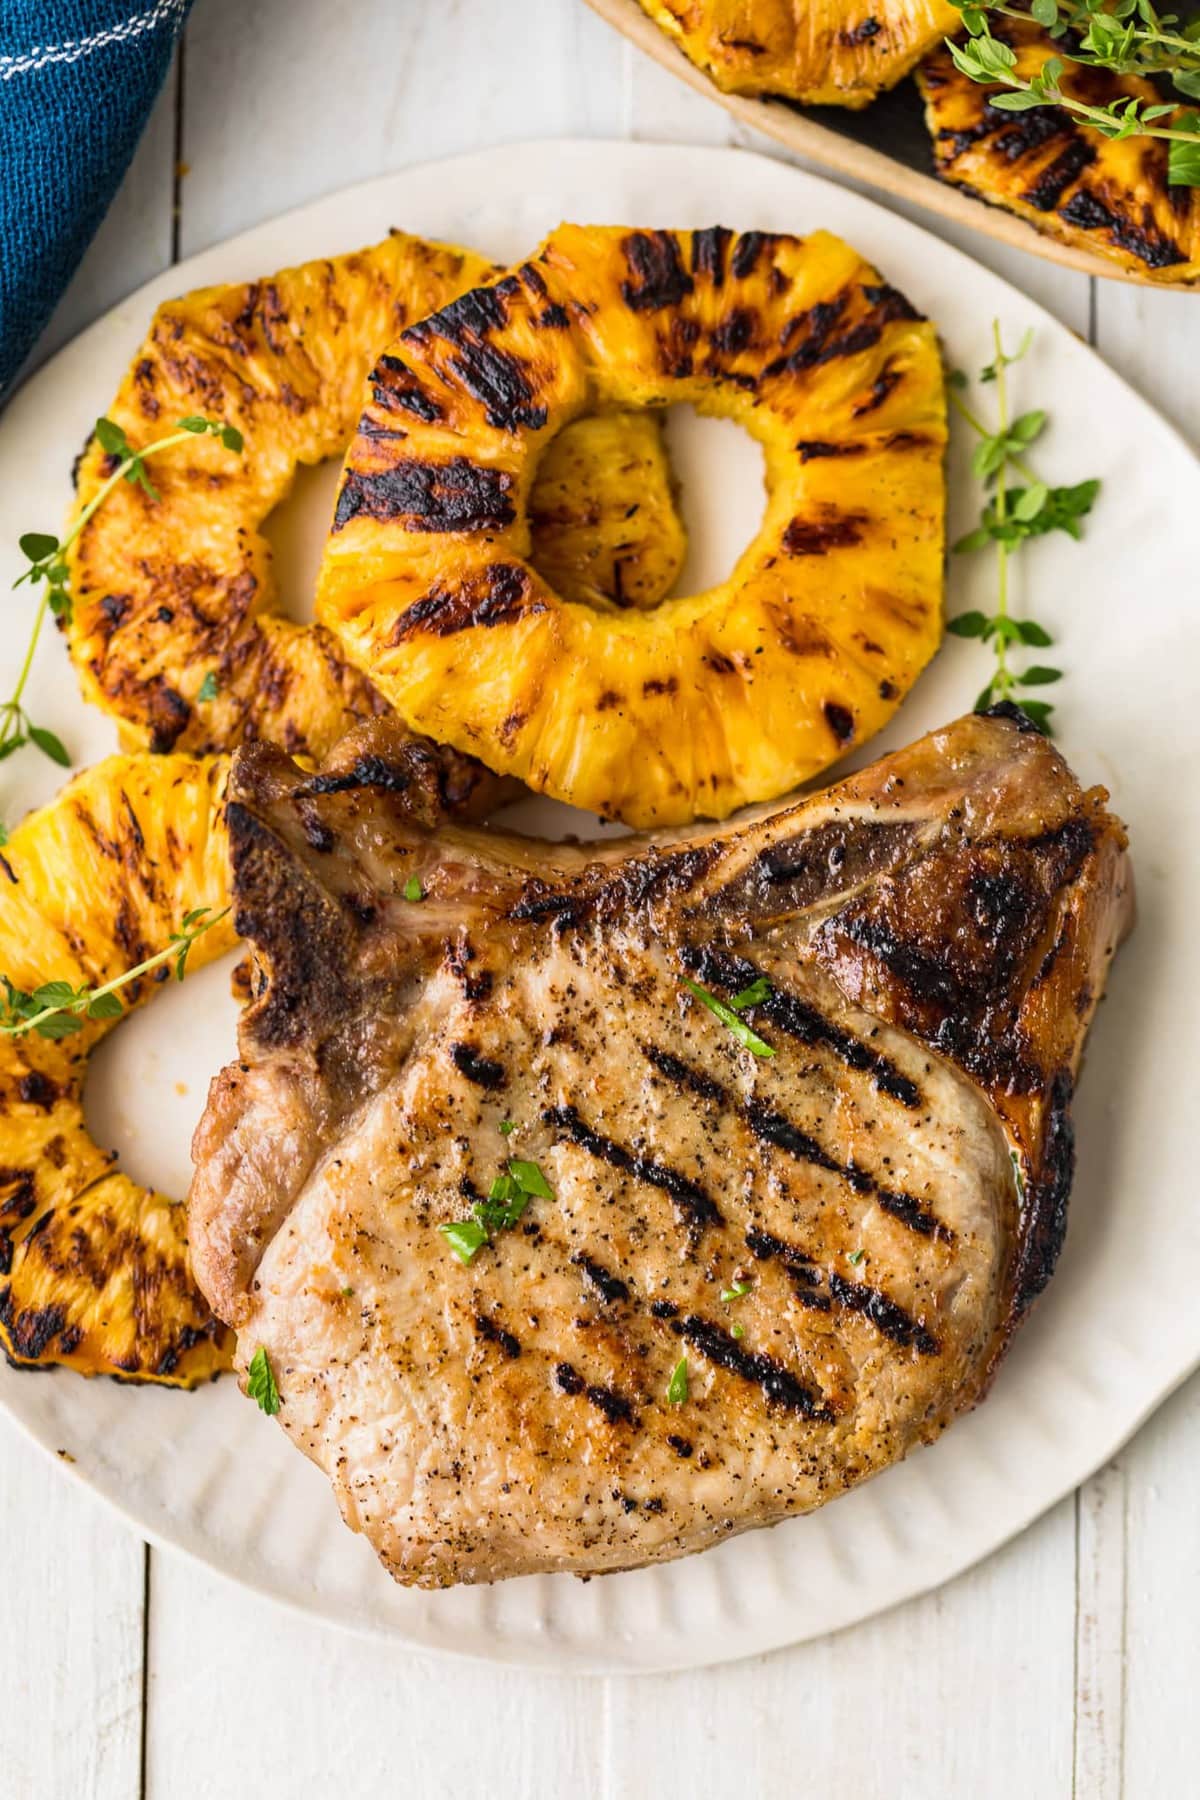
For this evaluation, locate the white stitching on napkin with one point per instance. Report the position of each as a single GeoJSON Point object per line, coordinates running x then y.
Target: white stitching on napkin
{"type": "Point", "coordinates": [72, 49]}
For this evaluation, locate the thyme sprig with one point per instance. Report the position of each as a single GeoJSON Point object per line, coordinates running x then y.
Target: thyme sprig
{"type": "Point", "coordinates": [46, 557]}
{"type": "Point", "coordinates": [56, 1009]}
{"type": "Point", "coordinates": [1010, 515]}
{"type": "Point", "coordinates": [1126, 37]}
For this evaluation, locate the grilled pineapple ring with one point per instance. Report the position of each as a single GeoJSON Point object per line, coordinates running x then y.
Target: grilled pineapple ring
{"type": "Point", "coordinates": [94, 1269]}
{"type": "Point", "coordinates": [702, 703]}
{"type": "Point", "coordinates": [169, 591]}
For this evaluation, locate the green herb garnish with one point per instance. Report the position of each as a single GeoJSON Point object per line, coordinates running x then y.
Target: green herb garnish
{"type": "Point", "coordinates": [58, 1010]}
{"type": "Point", "coordinates": [47, 560]}
{"type": "Point", "coordinates": [413, 889]}
{"type": "Point", "coordinates": [735, 1291]}
{"type": "Point", "coordinates": [754, 995]}
{"type": "Point", "coordinates": [728, 1017]}
{"type": "Point", "coordinates": [1128, 37]}
{"type": "Point", "coordinates": [1009, 516]}
{"type": "Point", "coordinates": [507, 1199]}
{"type": "Point", "coordinates": [855, 1256]}
{"type": "Point", "coordinates": [507, 1127]}
{"type": "Point", "coordinates": [530, 1180]}
{"type": "Point", "coordinates": [260, 1382]}
{"type": "Point", "coordinates": [677, 1390]}
{"type": "Point", "coordinates": [737, 1331]}
{"type": "Point", "coordinates": [208, 687]}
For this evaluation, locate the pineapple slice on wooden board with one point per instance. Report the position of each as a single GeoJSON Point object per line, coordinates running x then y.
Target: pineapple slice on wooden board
{"type": "Point", "coordinates": [171, 590]}
{"type": "Point", "coordinates": [691, 708]}
{"type": "Point", "coordinates": [835, 54]}
{"type": "Point", "coordinates": [1065, 178]}
{"type": "Point", "coordinates": [94, 1269]}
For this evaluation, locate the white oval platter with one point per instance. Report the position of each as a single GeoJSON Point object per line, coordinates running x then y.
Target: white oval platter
{"type": "Point", "coordinates": [1118, 1329]}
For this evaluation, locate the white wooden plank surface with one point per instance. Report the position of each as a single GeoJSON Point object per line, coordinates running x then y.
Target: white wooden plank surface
{"type": "Point", "coordinates": [71, 1649]}
{"type": "Point", "coordinates": [1063, 1666]}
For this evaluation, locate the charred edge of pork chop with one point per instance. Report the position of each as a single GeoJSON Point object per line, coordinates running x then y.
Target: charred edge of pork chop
{"type": "Point", "coordinates": [965, 890]}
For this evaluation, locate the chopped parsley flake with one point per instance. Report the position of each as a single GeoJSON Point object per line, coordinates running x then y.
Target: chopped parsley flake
{"type": "Point", "coordinates": [735, 1291]}
{"type": "Point", "coordinates": [506, 1201]}
{"type": "Point", "coordinates": [754, 995]}
{"type": "Point", "coordinates": [738, 1331]}
{"type": "Point", "coordinates": [677, 1392]}
{"type": "Point", "coordinates": [260, 1382]}
{"type": "Point", "coordinates": [728, 1017]}
{"type": "Point", "coordinates": [507, 1127]}
{"type": "Point", "coordinates": [855, 1256]}
{"type": "Point", "coordinates": [208, 687]}
{"type": "Point", "coordinates": [413, 889]}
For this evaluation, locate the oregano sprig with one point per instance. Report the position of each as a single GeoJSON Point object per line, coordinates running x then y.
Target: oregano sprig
{"type": "Point", "coordinates": [1010, 515]}
{"type": "Point", "coordinates": [46, 557]}
{"type": "Point", "coordinates": [56, 1009]}
{"type": "Point", "coordinates": [1125, 37]}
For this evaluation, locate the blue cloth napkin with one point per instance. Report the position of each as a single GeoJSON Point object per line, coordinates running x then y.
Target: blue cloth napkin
{"type": "Point", "coordinates": [77, 81]}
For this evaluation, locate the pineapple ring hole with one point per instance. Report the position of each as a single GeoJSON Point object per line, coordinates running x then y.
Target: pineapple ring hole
{"type": "Point", "coordinates": [719, 473]}
{"type": "Point", "coordinates": [135, 1100]}
{"type": "Point", "coordinates": [721, 477]}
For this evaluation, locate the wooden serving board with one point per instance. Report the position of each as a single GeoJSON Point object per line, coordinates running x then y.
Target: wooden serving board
{"type": "Point", "coordinates": [886, 145]}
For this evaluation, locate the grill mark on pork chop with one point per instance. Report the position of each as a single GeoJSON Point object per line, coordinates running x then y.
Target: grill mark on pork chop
{"type": "Point", "coordinates": [779, 1385]}
{"type": "Point", "coordinates": [614, 1406]}
{"type": "Point", "coordinates": [674, 1069]}
{"type": "Point", "coordinates": [885, 1314]}
{"type": "Point", "coordinates": [801, 1020]}
{"type": "Point", "coordinates": [480, 1069]}
{"type": "Point", "coordinates": [609, 1287]}
{"type": "Point", "coordinates": [698, 1208]}
{"type": "Point", "coordinates": [771, 1127]}
{"type": "Point", "coordinates": [494, 1333]}
{"type": "Point", "coordinates": [764, 1246]}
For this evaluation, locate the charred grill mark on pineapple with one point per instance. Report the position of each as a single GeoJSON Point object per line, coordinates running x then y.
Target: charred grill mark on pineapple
{"type": "Point", "coordinates": [1142, 240]}
{"type": "Point", "coordinates": [394, 388]}
{"type": "Point", "coordinates": [457, 495]}
{"type": "Point", "coordinates": [1052, 183]}
{"type": "Point", "coordinates": [658, 278]}
{"type": "Point", "coordinates": [29, 1333]}
{"type": "Point", "coordinates": [780, 1387]}
{"type": "Point", "coordinates": [832, 531]}
{"type": "Point", "coordinates": [817, 449]}
{"type": "Point", "coordinates": [502, 384]}
{"type": "Point", "coordinates": [697, 1207]}
{"type": "Point", "coordinates": [884, 384]}
{"type": "Point", "coordinates": [840, 720]}
{"type": "Point", "coordinates": [862, 33]}
{"type": "Point", "coordinates": [499, 594]}
{"type": "Point", "coordinates": [709, 248]}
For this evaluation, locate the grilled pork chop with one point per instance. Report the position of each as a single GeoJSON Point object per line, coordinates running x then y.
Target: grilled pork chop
{"type": "Point", "coordinates": [723, 1285]}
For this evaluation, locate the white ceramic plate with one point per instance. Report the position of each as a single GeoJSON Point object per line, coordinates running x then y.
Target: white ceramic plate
{"type": "Point", "coordinates": [1118, 1328]}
